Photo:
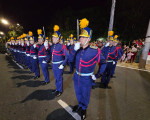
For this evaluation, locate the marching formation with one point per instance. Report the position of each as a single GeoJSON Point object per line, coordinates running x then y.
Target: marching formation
{"type": "Point", "coordinates": [82, 58]}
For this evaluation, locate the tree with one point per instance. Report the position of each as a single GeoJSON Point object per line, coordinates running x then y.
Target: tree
{"type": "Point", "coordinates": [15, 30]}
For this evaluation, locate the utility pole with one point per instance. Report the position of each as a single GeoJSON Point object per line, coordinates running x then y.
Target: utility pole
{"type": "Point", "coordinates": [145, 49]}
{"type": "Point", "coordinates": [77, 29]}
{"type": "Point", "coordinates": [111, 22]}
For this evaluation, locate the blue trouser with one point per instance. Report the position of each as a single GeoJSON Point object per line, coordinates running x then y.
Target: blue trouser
{"type": "Point", "coordinates": [58, 74]}
{"type": "Point", "coordinates": [45, 71]}
{"type": "Point", "coordinates": [82, 87]}
{"type": "Point", "coordinates": [71, 65]}
{"type": "Point", "coordinates": [113, 69]}
{"type": "Point", "coordinates": [35, 65]}
{"type": "Point", "coordinates": [93, 83]}
{"type": "Point", "coordinates": [107, 73]}
{"type": "Point", "coordinates": [18, 55]}
{"type": "Point", "coordinates": [23, 58]}
{"type": "Point", "coordinates": [31, 62]}
{"type": "Point", "coordinates": [15, 55]}
{"type": "Point", "coordinates": [28, 62]}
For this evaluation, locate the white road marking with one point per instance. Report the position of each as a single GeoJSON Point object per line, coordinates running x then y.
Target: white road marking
{"type": "Point", "coordinates": [69, 109]}
{"type": "Point", "coordinates": [133, 68]}
{"type": "Point", "coordinates": [18, 65]}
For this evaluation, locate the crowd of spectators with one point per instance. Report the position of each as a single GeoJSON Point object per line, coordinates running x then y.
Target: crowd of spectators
{"type": "Point", "coordinates": [131, 53]}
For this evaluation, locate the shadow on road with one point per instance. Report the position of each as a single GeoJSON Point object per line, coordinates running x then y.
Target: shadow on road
{"type": "Point", "coordinates": [20, 72]}
{"type": "Point", "coordinates": [11, 63]}
{"type": "Point", "coordinates": [23, 77]}
{"type": "Point", "coordinates": [30, 84]}
{"type": "Point", "coordinates": [40, 95]}
{"type": "Point", "coordinates": [59, 114]}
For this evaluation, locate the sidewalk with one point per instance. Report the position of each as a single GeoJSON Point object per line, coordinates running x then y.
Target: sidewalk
{"type": "Point", "coordinates": [133, 65]}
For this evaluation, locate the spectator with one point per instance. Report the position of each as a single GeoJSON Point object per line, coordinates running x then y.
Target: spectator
{"type": "Point", "coordinates": [134, 42]}
{"type": "Point", "coordinates": [123, 57]}
{"type": "Point", "coordinates": [134, 51]}
{"type": "Point", "coordinates": [129, 55]}
{"type": "Point", "coordinates": [139, 52]}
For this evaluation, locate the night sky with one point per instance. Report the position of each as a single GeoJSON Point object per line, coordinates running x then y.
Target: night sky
{"type": "Point", "coordinates": [130, 15]}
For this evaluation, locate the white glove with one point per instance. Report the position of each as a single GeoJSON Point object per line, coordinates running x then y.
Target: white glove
{"type": "Point", "coordinates": [113, 62]}
{"type": "Point", "coordinates": [22, 44]}
{"type": "Point", "coordinates": [93, 77]}
{"type": "Point", "coordinates": [107, 44]}
{"type": "Point", "coordinates": [46, 44]}
{"type": "Point", "coordinates": [12, 43]}
{"type": "Point", "coordinates": [61, 67]}
{"type": "Point", "coordinates": [34, 57]}
{"type": "Point", "coordinates": [50, 44]}
{"type": "Point", "coordinates": [34, 45]}
{"type": "Point", "coordinates": [68, 44]}
{"type": "Point", "coordinates": [77, 46]}
{"type": "Point", "coordinates": [27, 43]}
{"type": "Point", "coordinates": [19, 42]}
{"type": "Point", "coordinates": [15, 43]}
{"type": "Point", "coordinates": [44, 62]}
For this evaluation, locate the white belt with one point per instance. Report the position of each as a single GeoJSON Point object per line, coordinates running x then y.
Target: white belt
{"type": "Point", "coordinates": [42, 56]}
{"type": "Point", "coordinates": [23, 52]}
{"type": "Point", "coordinates": [28, 54]}
{"type": "Point", "coordinates": [57, 62]}
{"type": "Point", "coordinates": [110, 61]}
{"type": "Point", "coordinates": [33, 55]}
{"type": "Point", "coordinates": [84, 74]}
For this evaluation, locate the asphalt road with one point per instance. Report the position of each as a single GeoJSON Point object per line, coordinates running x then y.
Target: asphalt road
{"type": "Point", "coordinates": [23, 98]}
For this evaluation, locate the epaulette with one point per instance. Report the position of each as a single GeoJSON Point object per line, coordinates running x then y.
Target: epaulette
{"type": "Point", "coordinates": [94, 47]}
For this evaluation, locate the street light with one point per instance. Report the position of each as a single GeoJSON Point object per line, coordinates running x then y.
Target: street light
{"type": "Point", "coordinates": [4, 21]}
{"type": "Point", "coordinates": [18, 24]}
{"type": "Point", "coordinates": [1, 33]}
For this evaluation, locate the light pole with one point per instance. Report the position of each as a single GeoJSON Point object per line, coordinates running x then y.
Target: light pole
{"type": "Point", "coordinates": [111, 22]}
{"type": "Point", "coordinates": [145, 50]}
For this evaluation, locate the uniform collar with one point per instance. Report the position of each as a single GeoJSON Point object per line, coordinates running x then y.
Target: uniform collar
{"type": "Point", "coordinates": [86, 47]}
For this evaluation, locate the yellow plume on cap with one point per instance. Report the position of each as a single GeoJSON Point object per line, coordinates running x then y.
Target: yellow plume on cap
{"type": "Point", "coordinates": [111, 33]}
{"type": "Point", "coordinates": [46, 38]}
{"type": "Point", "coordinates": [84, 23]}
{"type": "Point", "coordinates": [21, 36]}
{"type": "Point", "coordinates": [39, 31]}
{"type": "Point", "coordinates": [61, 37]}
{"type": "Point", "coordinates": [75, 38]}
{"type": "Point", "coordinates": [12, 38]}
{"type": "Point", "coordinates": [30, 33]}
{"type": "Point", "coordinates": [116, 36]}
{"type": "Point", "coordinates": [24, 35]}
{"type": "Point", "coordinates": [67, 38]}
{"type": "Point", "coordinates": [71, 35]}
{"type": "Point", "coordinates": [56, 28]}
